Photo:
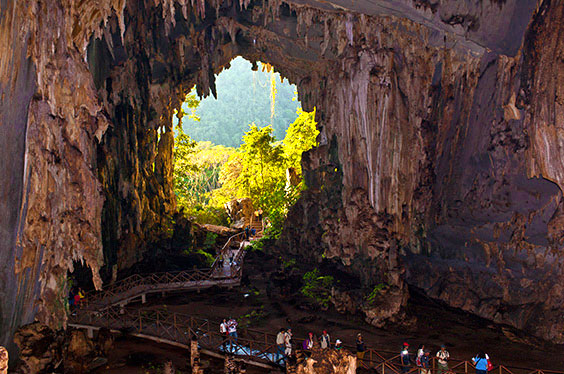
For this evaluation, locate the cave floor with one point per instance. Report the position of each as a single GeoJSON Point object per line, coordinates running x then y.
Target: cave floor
{"type": "Point", "coordinates": [435, 324]}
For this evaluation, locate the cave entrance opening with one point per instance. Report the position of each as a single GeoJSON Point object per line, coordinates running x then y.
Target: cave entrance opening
{"type": "Point", "coordinates": [237, 155]}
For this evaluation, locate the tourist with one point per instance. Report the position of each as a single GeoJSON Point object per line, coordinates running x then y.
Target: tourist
{"type": "Point", "coordinates": [220, 260]}
{"type": "Point", "coordinates": [71, 298]}
{"type": "Point", "coordinates": [232, 329]}
{"type": "Point", "coordinates": [308, 343]}
{"type": "Point", "coordinates": [338, 344]}
{"type": "Point", "coordinates": [426, 362]}
{"type": "Point", "coordinates": [247, 232]}
{"type": "Point", "coordinates": [325, 340]}
{"type": "Point", "coordinates": [405, 359]}
{"type": "Point", "coordinates": [77, 298]}
{"type": "Point", "coordinates": [280, 344]}
{"type": "Point", "coordinates": [420, 353]}
{"type": "Point", "coordinates": [223, 332]}
{"type": "Point", "coordinates": [81, 296]}
{"type": "Point", "coordinates": [481, 363]}
{"type": "Point", "coordinates": [360, 348]}
{"type": "Point", "coordinates": [288, 342]}
{"type": "Point", "coordinates": [442, 361]}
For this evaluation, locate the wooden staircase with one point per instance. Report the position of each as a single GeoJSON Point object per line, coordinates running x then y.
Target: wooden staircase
{"type": "Point", "coordinates": [257, 225]}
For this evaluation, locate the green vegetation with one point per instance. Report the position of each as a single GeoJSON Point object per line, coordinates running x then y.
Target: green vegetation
{"type": "Point", "coordinates": [259, 167]}
{"type": "Point", "coordinates": [262, 168]}
{"type": "Point", "coordinates": [288, 265]}
{"type": "Point", "coordinates": [244, 96]}
{"type": "Point", "coordinates": [317, 287]}
{"type": "Point", "coordinates": [207, 176]}
{"type": "Point", "coordinates": [371, 298]}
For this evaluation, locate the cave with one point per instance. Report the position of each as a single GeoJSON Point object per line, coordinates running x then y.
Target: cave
{"type": "Point", "coordinates": [439, 166]}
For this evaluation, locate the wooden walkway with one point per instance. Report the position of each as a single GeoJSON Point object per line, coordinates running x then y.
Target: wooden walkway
{"type": "Point", "coordinates": [137, 287]}
{"type": "Point", "coordinates": [253, 346]}
{"type": "Point", "coordinates": [106, 309]}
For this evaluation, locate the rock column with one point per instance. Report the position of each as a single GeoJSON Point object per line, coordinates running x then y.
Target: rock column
{"type": "Point", "coordinates": [3, 360]}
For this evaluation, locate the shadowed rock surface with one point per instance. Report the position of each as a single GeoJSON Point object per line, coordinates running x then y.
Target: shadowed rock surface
{"type": "Point", "coordinates": [439, 163]}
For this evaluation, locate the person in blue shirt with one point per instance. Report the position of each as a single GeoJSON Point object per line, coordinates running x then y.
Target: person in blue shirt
{"type": "Point", "coordinates": [425, 362]}
{"type": "Point", "coordinates": [481, 362]}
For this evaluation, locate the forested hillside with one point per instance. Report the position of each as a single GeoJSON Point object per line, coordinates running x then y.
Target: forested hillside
{"type": "Point", "coordinates": [244, 97]}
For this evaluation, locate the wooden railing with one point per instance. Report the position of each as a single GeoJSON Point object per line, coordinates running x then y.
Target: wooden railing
{"type": "Point", "coordinates": [136, 285]}
{"type": "Point", "coordinates": [252, 344]}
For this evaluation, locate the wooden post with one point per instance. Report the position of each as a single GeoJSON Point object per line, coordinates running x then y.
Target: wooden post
{"type": "Point", "coordinates": [466, 367]}
{"type": "Point", "coordinates": [194, 353]}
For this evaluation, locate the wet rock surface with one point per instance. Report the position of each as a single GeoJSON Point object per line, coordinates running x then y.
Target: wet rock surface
{"type": "Point", "coordinates": [438, 165]}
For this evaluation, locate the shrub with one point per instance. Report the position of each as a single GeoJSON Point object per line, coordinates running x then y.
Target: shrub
{"type": "Point", "coordinates": [317, 287]}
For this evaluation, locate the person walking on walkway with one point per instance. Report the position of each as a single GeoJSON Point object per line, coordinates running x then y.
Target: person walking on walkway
{"type": "Point", "coordinates": [288, 342]}
{"type": "Point", "coordinates": [307, 345]}
{"type": "Point", "coordinates": [325, 340]}
{"type": "Point", "coordinates": [481, 363]}
{"type": "Point", "coordinates": [426, 363]}
{"type": "Point", "coordinates": [420, 353]}
{"type": "Point", "coordinates": [442, 361]}
{"type": "Point", "coordinates": [224, 333]}
{"type": "Point", "coordinates": [405, 359]}
{"type": "Point", "coordinates": [360, 347]}
{"type": "Point", "coordinates": [232, 329]}
{"type": "Point", "coordinates": [338, 344]}
{"type": "Point", "coordinates": [280, 344]}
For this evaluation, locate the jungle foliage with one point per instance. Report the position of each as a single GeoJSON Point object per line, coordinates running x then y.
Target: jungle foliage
{"type": "Point", "coordinates": [262, 168]}
{"type": "Point", "coordinates": [317, 287]}
{"type": "Point", "coordinates": [244, 97]}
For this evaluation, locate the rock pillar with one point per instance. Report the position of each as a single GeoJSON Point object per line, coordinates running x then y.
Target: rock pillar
{"type": "Point", "coordinates": [3, 360]}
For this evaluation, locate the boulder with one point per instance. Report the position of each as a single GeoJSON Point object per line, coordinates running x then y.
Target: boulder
{"type": "Point", "coordinates": [40, 348]}
{"type": "Point", "coordinates": [240, 211]}
{"type": "Point", "coordinates": [104, 341]}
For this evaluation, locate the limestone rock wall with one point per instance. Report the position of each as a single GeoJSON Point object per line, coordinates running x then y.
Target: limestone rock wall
{"type": "Point", "coordinates": [438, 162]}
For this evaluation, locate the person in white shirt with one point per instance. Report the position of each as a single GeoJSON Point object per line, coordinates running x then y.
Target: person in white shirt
{"type": "Point", "coordinates": [280, 344]}
{"type": "Point", "coordinates": [232, 328]}
{"type": "Point", "coordinates": [325, 340]}
{"type": "Point", "coordinates": [443, 357]}
{"type": "Point", "coordinates": [223, 332]}
{"type": "Point", "coordinates": [288, 342]}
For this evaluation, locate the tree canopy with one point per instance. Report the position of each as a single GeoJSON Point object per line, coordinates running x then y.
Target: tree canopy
{"type": "Point", "coordinates": [244, 97]}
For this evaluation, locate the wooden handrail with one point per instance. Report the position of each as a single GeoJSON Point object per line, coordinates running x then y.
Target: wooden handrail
{"type": "Point", "coordinates": [136, 285]}
{"type": "Point", "coordinates": [253, 344]}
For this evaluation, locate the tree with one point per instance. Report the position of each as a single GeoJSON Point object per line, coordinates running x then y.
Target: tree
{"type": "Point", "coordinates": [300, 137]}
{"type": "Point", "coordinates": [244, 96]}
{"type": "Point", "coordinates": [258, 169]}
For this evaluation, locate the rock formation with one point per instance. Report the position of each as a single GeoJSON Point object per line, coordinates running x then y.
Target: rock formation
{"type": "Point", "coordinates": [439, 162]}
{"type": "Point", "coordinates": [4, 359]}
{"type": "Point", "coordinates": [40, 348]}
{"type": "Point", "coordinates": [323, 361]}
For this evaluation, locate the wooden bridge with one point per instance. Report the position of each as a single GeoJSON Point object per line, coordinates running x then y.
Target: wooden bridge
{"type": "Point", "coordinates": [106, 309]}
{"type": "Point", "coordinates": [252, 346]}
{"type": "Point", "coordinates": [137, 287]}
